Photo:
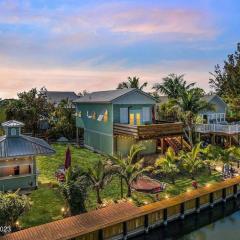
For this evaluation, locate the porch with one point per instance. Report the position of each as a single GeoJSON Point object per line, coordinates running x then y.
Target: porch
{"type": "Point", "coordinates": [218, 128]}
{"type": "Point", "coordinates": [148, 131]}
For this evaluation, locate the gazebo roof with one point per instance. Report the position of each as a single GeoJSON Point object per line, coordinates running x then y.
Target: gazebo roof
{"type": "Point", "coordinates": [23, 146]}
{"type": "Point", "coordinates": [12, 123]}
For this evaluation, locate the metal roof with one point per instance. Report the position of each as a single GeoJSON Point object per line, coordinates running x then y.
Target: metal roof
{"type": "Point", "coordinates": [56, 97]}
{"type": "Point", "coordinates": [12, 123]}
{"type": "Point", "coordinates": [23, 146]}
{"type": "Point", "coordinates": [107, 96]}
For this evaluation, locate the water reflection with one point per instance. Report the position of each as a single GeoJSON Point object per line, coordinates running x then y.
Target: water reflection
{"type": "Point", "coordinates": [220, 223]}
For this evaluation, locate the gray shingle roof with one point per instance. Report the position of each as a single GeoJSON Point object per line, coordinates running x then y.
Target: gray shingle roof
{"type": "Point", "coordinates": [105, 96]}
{"type": "Point", "coordinates": [23, 146]}
{"type": "Point", "coordinates": [56, 97]}
{"type": "Point", "coordinates": [12, 123]}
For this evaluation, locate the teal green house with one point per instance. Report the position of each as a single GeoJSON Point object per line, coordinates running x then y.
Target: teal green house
{"type": "Point", "coordinates": [114, 120]}
{"type": "Point", "coordinates": [17, 157]}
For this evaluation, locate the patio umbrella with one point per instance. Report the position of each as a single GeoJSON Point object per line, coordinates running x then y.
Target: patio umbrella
{"type": "Point", "coordinates": [68, 159]}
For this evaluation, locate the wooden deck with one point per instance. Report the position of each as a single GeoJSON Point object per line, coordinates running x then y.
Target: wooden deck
{"type": "Point", "coordinates": [148, 131]}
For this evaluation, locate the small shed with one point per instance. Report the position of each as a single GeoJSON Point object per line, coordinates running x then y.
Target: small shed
{"type": "Point", "coordinates": [17, 157]}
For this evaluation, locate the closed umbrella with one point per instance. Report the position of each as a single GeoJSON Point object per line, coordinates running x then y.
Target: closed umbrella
{"type": "Point", "coordinates": [68, 159]}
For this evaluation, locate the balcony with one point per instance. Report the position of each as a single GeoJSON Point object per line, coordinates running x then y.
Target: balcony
{"type": "Point", "coordinates": [148, 131]}
{"type": "Point", "coordinates": [218, 128]}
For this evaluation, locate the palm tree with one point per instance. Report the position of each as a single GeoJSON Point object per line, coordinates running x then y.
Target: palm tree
{"type": "Point", "coordinates": [99, 175]}
{"type": "Point", "coordinates": [130, 168]}
{"type": "Point", "coordinates": [211, 156]}
{"type": "Point", "coordinates": [192, 161]}
{"type": "Point", "coordinates": [189, 105]}
{"type": "Point", "coordinates": [133, 82]}
{"type": "Point", "coordinates": [173, 85]}
{"type": "Point", "coordinates": [168, 164]}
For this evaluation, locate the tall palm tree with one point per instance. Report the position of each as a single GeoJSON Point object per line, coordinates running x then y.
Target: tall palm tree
{"type": "Point", "coordinates": [132, 82]}
{"type": "Point", "coordinates": [99, 175]}
{"type": "Point", "coordinates": [168, 164]}
{"type": "Point", "coordinates": [130, 168]}
{"type": "Point", "coordinates": [192, 161]}
{"type": "Point", "coordinates": [188, 107]}
{"type": "Point", "coordinates": [173, 85]}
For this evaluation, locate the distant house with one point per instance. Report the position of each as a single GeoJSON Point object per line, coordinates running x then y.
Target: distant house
{"type": "Point", "coordinates": [217, 115]}
{"type": "Point", "coordinates": [55, 97]}
{"type": "Point", "coordinates": [114, 120]}
{"type": "Point", "coordinates": [17, 157]}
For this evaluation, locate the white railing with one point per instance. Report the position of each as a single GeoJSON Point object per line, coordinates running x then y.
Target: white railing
{"type": "Point", "coordinates": [207, 128]}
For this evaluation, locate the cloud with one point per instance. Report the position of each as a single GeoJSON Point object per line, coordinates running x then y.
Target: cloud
{"type": "Point", "coordinates": [17, 79]}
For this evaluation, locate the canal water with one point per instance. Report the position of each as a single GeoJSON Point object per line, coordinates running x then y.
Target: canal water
{"type": "Point", "coordinates": [220, 223]}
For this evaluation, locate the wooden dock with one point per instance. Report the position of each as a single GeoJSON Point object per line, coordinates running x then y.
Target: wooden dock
{"type": "Point", "coordinates": [122, 220]}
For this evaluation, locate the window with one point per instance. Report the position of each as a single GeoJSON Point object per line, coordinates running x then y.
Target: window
{"type": "Point", "coordinates": [13, 132]}
{"type": "Point", "coordinates": [123, 115]}
{"type": "Point", "coordinates": [105, 116]}
{"type": "Point", "coordinates": [146, 114]}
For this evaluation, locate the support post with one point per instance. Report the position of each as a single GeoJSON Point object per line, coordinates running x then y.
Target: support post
{"type": "Point", "coordinates": [182, 210]}
{"type": "Point", "coordinates": [146, 224]}
{"type": "Point", "coordinates": [197, 205]}
{"type": "Point", "coordinates": [235, 190]}
{"type": "Point", "coordinates": [125, 230]}
{"type": "Point", "coordinates": [100, 234]}
{"type": "Point", "coordinates": [162, 145]}
{"type": "Point", "coordinates": [77, 136]}
{"type": "Point", "coordinates": [224, 195]}
{"type": "Point", "coordinates": [165, 222]}
{"type": "Point", "coordinates": [211, 200]}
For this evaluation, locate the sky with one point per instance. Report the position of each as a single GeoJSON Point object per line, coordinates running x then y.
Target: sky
{"type": "Point", "coordinates": [84, 44]}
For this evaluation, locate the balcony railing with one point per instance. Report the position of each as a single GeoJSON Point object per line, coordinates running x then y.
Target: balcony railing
{"type": "Point", "coordinates": [217, 128]}
{"type": "Point", "coordinates": [148, 131]}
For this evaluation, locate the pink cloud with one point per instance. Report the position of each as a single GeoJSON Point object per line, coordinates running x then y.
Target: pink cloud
{"type": "Point", "coordinates": [16, 79]}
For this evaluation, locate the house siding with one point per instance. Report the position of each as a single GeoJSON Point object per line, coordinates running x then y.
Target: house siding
{"type": "Point", "coordinates": [98, 135]}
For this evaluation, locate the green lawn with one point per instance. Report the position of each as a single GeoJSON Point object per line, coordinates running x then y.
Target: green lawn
{"type": "Point", "coordinates": [47, 201]}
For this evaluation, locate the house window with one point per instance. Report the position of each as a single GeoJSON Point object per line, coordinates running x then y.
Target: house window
{"type": "Point", "coordinates": [123, 115]}
{"type": "Point", "coordinates": [13, 132]}
{"type": "Point", "coordinates": [105, 116]}
{"type": "Point", "coordinates": [146, 114]}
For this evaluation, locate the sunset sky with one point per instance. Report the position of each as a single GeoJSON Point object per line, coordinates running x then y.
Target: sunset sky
{"type": "Point", "coordinates": [84, 44]}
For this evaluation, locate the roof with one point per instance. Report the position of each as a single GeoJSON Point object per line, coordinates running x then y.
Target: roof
{"type": "Point", "coordinates": [56, 97]}
{"type": "Point", "coordinates": [207, 98]}
{"type": "Point", "coordinates": [80, 224]}
{"type": "Point", "coordinates": [23, 146]}
{"type": "Point", "coordinates": [12, 123]}
{"type": "Point", "coordinates": [107, 96]}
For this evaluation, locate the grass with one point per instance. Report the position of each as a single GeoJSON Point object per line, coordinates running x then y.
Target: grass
{"type": "Point", "coordinates": [46, 204]}
{"type": "Point", "coordinates": [47, 201]}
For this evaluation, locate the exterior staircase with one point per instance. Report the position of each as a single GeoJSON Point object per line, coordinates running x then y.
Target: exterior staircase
{"type": "Point", "coordinates": [177, 144]}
